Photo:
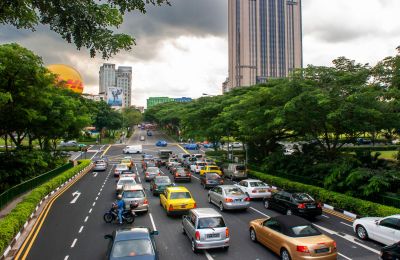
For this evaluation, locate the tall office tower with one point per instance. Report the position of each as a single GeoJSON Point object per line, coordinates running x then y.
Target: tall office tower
{"type": "Point", "coordinates": [265, 40]}
{"type": "Point", "coordinates": [124, 81]}
{"type": "Point", "coordinates": [106, 77]}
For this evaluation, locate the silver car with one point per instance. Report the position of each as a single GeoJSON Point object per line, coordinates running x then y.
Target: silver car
{"type": "Point", "coordinates": [100, 165]}
{"type": "Point", "coordinates": [151, 173]}
{"type": "Point", "coordinates": [135, 194]}
{"type": "Point", "coordinates": [205, 228]}
{"type": "Point", "coordinates": [228, 197]}
{"type": "Point", "coordinates": [119, 169]}
{"type": "Point", "coordinates": [124, 181]}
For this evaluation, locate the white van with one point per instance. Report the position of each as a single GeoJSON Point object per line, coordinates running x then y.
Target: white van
{"type": "Point", "coordinates": [133, 149]}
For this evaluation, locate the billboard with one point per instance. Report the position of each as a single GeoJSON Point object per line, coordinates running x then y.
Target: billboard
{"type": "Point", "coordinates": [114, 96]}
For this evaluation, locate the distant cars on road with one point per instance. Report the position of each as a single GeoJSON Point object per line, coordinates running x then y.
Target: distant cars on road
{"type": "Point", "coordinates": [161, 143]}
{"type": "Point", "coordinates": [391, 252]}
{"type": "Point", "coordinates": [191, 146]}
{"type": "Point", "coordinates": [383, 230]}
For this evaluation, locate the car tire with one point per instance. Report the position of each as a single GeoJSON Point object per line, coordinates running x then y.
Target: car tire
{"type": "Point", "coordinates": [226, 248]}
{"type": "Point", "coordinates": [266, 204]}
{"type": "Point", "coordinates": [285, 255]}
{"type": "Point", "coordinates": [253, 235]}
{"type": "Point", "coordinates": [361, 232]}
{"type": "Point", "coordinates": [194, 249]}
{"type": "Point", "coordinates": [289, 212]}
{"type": "Point", "coordinates": [221, 206]}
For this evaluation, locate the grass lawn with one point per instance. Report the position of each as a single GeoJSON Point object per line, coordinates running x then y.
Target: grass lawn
{"type": "Point", "coordinates": [388, 155]}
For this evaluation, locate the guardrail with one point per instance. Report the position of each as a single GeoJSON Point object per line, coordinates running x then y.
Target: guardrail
{"type": "Point", "coordinates": [28, 185]}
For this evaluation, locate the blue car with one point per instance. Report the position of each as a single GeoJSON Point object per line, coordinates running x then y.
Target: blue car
{"type": "Point", "coordinates": [191, 146]}
{"type": "Point", "coordinates": [161, 143]}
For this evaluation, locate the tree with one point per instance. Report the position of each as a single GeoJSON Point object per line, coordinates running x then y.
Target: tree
{"type": "Point", "coordinates": [86, 23]}
{"type": "Point", "coordinates": [130, 117]}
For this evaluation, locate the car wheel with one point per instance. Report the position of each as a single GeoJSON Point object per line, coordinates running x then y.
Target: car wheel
{"type": "Point", "coordinates": [285, 255]}
{"type": "Point", "coordinates": [361, 232]}
{"type": "Point", "coordinates": [209, 199]}
{"type": "Point", "coordinates": [226, 248]}
{"type": "Point", "coordinates": [194, 249]}
{"type": "Point", "coordinates": [289, 212]}
{"type": "Point", "coordinates": [253, 235]}
{"type": "Point", "coordinates": [221, 206]}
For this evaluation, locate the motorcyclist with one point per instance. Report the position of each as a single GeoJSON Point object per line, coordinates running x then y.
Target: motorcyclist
{"type": "Point", "coordinates": [121, 207]}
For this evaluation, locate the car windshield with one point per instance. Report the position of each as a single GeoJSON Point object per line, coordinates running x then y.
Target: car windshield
{"type": "Point", "coordinates": [305, 231]}
{"type": "Point", "coordinates": [151, 165]}
{"type": "Point", "coordinates": [302, 197]}
{"type": "Point", "coordinates": [130, 248]}
{"type": "Point", "coordinates": [133, 194]}
{"type": "Point", "coordinates": [240, 168]}
{"type": "Point", "coordinates": [180, 170]}
{"type": "Point", "coordinates": [148, 156]}
{"type": "Point", "coordinates": [163, 180]}
{"type": "Point", "coordinates": [233, 191]}
{"type": "Point", "coordinates": [211, 222]}
{"type": "Point", "coordinates": [212, 176]}
{"type": "Point", "coordinates": [126, 181]}
{"type": "Point", "coordinates": [257, 184]}
{"type": "Point", "coordinates": [180, 195]}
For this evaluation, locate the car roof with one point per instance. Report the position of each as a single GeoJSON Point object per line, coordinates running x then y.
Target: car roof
{"type": "Point", "coordinates": [252, 180]}
{"type": "Point", "coordinates": [228, 186]}
{"type": "Point", "coordinates": [177, 189]}
{"type": "Point", "coordinates": [206, 212]}
{"type": "Point", "coordinates": [132, 233]}
{"type": "Point", "coordinates": [126, 178]}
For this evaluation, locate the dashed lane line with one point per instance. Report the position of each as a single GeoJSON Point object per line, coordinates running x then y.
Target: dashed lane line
{"type": "Point", "coordinates": [345, 257]}
{"type": "Point", "coordinates": [152, 221]}
{"type": "Point", "coordinates": [90, 210]}
{"type": "Point", "coordinates": [66, 257]}
{"type": "Point", "coordinates": [325, 216]}
{"type": "Point", "coordinates": [86, 219]}
{"type": "Point", "coordinates": [74, 242]}
{"type": "Point", "coordinates": [80, 230]}
{"type": "Point", "coordinates": [209, 257]}
{"type": "Point", "coordinates": [256, 210]}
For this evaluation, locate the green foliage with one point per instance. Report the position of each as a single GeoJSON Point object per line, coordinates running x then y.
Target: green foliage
{"type": "Point", "coordinates": [11, 224]}
{"type": "Point", "coordinates": [86, 23]}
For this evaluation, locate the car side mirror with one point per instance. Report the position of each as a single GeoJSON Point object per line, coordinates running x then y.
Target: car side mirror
{"type": "Point", "coordinates": [377, 222]}
{"type": "Point", "coordinates": [154, 233]}
{"type": "Point", "coordinates": [108, 237]}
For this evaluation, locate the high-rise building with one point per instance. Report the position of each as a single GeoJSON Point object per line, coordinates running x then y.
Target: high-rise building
{"type": "Point", "coordinates": [121, 78]}
{"type": "Point", "coordinates": [265, 40]}
{"type": "Point", "coordinates": [152, 101]}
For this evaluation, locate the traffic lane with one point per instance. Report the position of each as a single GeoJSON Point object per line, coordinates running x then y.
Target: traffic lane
{"type": "Point", "coordinates": [64, 218]}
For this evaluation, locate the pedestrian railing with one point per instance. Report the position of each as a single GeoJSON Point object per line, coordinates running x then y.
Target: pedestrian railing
{"type": "Point", "coordinates": [28, 185]}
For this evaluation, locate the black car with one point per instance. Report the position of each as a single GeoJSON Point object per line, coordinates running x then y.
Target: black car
{"type": "Point", "coordinates": [294, 203]}
{"type": "Point", "coordinates": [391, 252]}
{"type": "Point", "coordinates": [132, 243]}
{"type": "Point", "coordinates": [210, 180]}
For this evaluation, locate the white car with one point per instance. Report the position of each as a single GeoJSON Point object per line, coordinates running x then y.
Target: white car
{"type": "Point", "coordinates": [197, 167]}
{"type": "Point", "coordinates": [122, 181]}
{"type": "Point", "coordinates": [255, 189]}
{"type": "Point", "coordinates": [119, 169]}
{"type": "Point", "coordinates": [236, 145]}
{"type": "Point", "coordinates": [142, 138]}
{"type": "Point", "coordinates": [133, 149]}
{"type": "Point", "coordinates": [69, 143]}
{"type": "Point", "coordinates": [383, 230]}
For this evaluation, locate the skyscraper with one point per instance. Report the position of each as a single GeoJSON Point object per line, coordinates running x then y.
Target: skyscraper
{"type": "Point", "coordinates": [106, 77]}
{"type": "Point", "coordinates": [124, 81]}
{"type": "Point", "coordinates": [121, 78]}
{"type": "Point", "coordinates": [265, 40]}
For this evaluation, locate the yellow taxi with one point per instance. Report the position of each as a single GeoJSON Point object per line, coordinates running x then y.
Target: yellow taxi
{"type": "Point", "coordinates": [128, 162]}
{"type": "Point", "coordinates": [177, 200]}
{"type": "Point", "coordinates": [211, 168]}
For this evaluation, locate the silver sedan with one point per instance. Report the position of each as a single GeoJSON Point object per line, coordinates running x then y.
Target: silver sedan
{"type": "Point", "coordinates": [228, 197]}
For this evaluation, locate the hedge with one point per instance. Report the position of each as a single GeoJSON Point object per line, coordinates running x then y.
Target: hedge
{"type": "Point", "coordinates": [12, 223]}
{"type": "Point", "coordinates": [338, 200]}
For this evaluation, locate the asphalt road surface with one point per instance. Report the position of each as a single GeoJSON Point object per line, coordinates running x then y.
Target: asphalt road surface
{"type": "Point", "coordinates": [75, 229]}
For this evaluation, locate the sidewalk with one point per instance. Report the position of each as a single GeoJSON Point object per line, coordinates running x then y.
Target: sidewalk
{"type": "Point", "coordinates": [11, 205]}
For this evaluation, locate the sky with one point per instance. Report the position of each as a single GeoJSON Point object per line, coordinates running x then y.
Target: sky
{"type": "Point", "coordinates": [182, 49]}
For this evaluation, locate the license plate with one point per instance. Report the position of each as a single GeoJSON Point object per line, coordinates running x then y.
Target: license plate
{"type": "Point", "coordinates": [238, 200]}
{"type": "Point", "coordinates": [212, 235]}
{"type": "Point", "coordinates": [322, 250]}
{"type": "Point", "coordinates": [261, 191]}
{"type": "Point", "coordinates": [183, 206]}
{"type": "Point", "coordinates": [311, 206]}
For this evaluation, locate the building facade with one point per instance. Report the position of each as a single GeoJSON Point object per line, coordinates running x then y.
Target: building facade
{"type": "Point", "coordinates": [152, 101]}
{"type": "Point", "coordinates": [183, 99]}
{"type": "Point", "coordinates": [265, 40]}
{"type": "Point", "coordinates": [124, 81]}
{"type": "Point", "coordinates": [120, 78]}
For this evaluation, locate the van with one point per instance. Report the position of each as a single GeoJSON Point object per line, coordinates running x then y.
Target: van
{"type": "Point", "coordinates": [235, 171]}
{"type": "Point", "coordinates": [133, 149]}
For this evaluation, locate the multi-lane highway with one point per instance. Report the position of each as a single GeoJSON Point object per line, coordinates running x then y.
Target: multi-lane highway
{"type": "Point", "coordinates": [74, 227]}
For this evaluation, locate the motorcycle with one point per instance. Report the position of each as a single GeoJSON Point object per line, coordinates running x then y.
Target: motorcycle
{"type": "Point", "coordinates": [128, 215]}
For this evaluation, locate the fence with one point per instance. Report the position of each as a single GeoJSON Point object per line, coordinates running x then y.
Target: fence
{"type": "Point", "coordinates": [28, 185]}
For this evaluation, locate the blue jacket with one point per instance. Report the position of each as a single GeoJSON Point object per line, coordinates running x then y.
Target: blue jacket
{"type": "Point", "coordinates": [121, 204]}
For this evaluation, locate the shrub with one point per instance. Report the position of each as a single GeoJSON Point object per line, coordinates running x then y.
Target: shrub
{"type": "Point", "coordinates": [358, 206]}
{"type": "Point", "coordinates": [11, 224]}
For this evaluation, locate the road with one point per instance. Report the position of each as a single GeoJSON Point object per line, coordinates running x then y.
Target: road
{"type": "Point", "coordinates": [76, 230]}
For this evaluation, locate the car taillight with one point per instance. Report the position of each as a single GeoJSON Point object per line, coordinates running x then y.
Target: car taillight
{"type": "Point", "coordinates": [176, 175]}
{"type": "Point", "coordinates": [188, 174]}
{"type": "Point", "coordinates": [254, 191]}
{"type": "Point", "coordinates": [334, 244]}
{"type": "Point", "coordinates": [247, 199]}
{"type": "Point", "coordinates": [221, 181]}
{"type": "Point", "coordinates": [227, 232]}
{"type": "Point", "coordinates": [229, 200]}
{"type": "Point", "coordinates": [159, 174]}
{"type": "Point", "coordinates": [303, 249]}
{"type": "Point", "coordinates": [301, 206]}
{"type": "Point", "coordinates": [195, 205]}
{"type": "Point", "coordinates": [197, 235]}
{"type": "Point", "coordinates": [171, 207]}
{"type": "Point", "coordinates": [319, 205]}
{"type": "Point", "coordinates": [145, 201]}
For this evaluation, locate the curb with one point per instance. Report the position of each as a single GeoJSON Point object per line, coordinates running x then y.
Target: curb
{"type": "Point", "coordinates": [32, 216]}
{"type": "Point", "coordinates": [344, 212]}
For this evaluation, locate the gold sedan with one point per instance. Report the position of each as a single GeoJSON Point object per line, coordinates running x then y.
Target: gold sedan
{"type": "Point", "coordinates": [292, 237]}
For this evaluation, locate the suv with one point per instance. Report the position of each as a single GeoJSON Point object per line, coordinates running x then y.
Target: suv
{"type": "Point", "coordinates": [235, 171]}
{"type": "Point", "coordinates": [205, 227]}
{"type": "Point", "coordinates": [135, 194]}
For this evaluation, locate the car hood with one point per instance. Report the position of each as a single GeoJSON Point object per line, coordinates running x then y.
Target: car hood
{"type": "Point", "coordinates": [141, 257]}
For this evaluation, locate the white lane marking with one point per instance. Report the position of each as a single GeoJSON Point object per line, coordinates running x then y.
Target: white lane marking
{"type": "Point", "coordinates": [80, 230]}
{"type": "Point", "coordinates": [101, 190]}
{"type": "Point", "coordinates": [98, 194]}
{"type": "Point", "coordinates": [74, 242]}
{"type": "Point", "coordinates": [86, 219]}
{"type": "Point", "coordinates": [348, 258]}
{"type": "Point", "coordinates": [90, 210]}
{"type": "Point", "coordinates": [348, 238]}
{"type": "Point", "coordinates": [94, 203]}
{"type": "Point", "coordinates": [76, 195]}
{"type": "Point", "coordinates": [325, 216]}
{"type": "Point", "coordinates": [96, 198]}
{"type": "Point", "coordinates": [100, 150]}
{"type": "Point", "coordinates": [95, 174]}
{"type": "Point", "coordinates": [152, 222]}
{"type": "Point", "coordinates": [76, 157]}
{"type": "Point", "coordinates": [256, 210]}
{"type": "Point", "coordinates": [139, 179]}
{"type": "Point", "coordinates": [66, 257]}
{"type": "Point", "coordinates": [346, 224]}
{"type": "Point", "coordinates": [209, 257]}
{"type": "Point", "coordinates": [197, 178]}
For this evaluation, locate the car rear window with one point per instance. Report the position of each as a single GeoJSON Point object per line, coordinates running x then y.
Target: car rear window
{"type": "Point", "coordinates": [123, 182]}
{"type": "Point", "coordinates": [164, 180]}
{"type": "Point", "coordinates": [180, 195]}
{"type": "Point", "coordinates": [234, 191]}
{"type": "Point", "coordinates": [133, 194]}
{"type": "Point", "coordinates": [240, 168]}
{"type": "Point", "coordinates": [302, 197]}
{"type": "Point", "coordinates": [214, 168]}
{"type": "Point", "coordinates": [257, 184]}
{"type": "Point", "coordinates": [131, 248]}
{"type": "Point", "coordinates": [152, 169]}
{"type": "Point", "coordinates": [99, 162]}
{"type": "Point", "coordinates": [211, 222]}
{"type": "Point", "coordinates": [212, 176]}
{"type": "Point", "coordinates": [305, 231]}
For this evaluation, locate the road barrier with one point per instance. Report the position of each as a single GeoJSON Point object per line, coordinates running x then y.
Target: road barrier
{"type": "Point", "coordinates": [29, 185]}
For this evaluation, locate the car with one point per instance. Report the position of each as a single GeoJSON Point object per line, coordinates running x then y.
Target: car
{"type": "Point", "coordinates": [383, 230]}
{"type": "Point", "coordinates": [294, 203]}
{"type": "Point", "coordinates": [210, 168]}
{"type": "Point", "coordinates": [162, 143]}
{"type": "Point", "coordinates": [177, 200]}
{"type": "Point", "coordinates": [211, 179]}
{"type": "Point", "coordinates": [235, 145]}
{"type": "Point", "coordinates": [210, 145]}
{"type": "Point", "coordinates": [100, 165]}
{"type": "Point", "coordinates": [182, 156]}
{"type": "Point", "coordinates": [361, 141]}
{"type": "Point", "coordinates": [142, 138]}
{"type": "Point", "coordinates": [124, 181]}
{"type": "Point", "coordinates": [209, 161]}
{"type": "Point", "coordinates": [174, 167]}
{"type": "Point", "coordinates": [127, 162]}
{"type": "Point", "coordinates": [159, 184]}
{"type": "Point", "coordinates": [391, 252]}
{"type": "Point", "coordinates": [151, 173]}
{"type": "Point", "coordinates": [292, 237]}
{"type": "Point", "coordinates": [206, 229]}
{"type": "Point", "coordinates": [235, 171]}
{"type": "Point", "coordinates": [197, 166]}
{"type": "Point", "coordinates": [255, 189]}
{"type": "Point", "coordinates": [132, 243]}
{"type": "Point", "coordinates": [189, 161]}
{"type": "Point", "coordinates": [147, 164]}
{"type": "Point", "coordinates": [127, 174]}
{"type": "Point", "coordinates": [164, 154]}
{"type": "Point", "coordinates": [149, 133]}
{"type": "Point", "coordinates": [133, 149]}
{"type": "Point", "coordinates": [171, 161]}
{"type": "Point", "coordinates": [119, 169]}
{"type": "Point", "coordinates": [135, 194]}
{"type": "Point", "coordinates": [228, 197]}
{"type": "Point", "coordinates": [182, 174]}
{"type": "Point", "coordinates": [191, 147]}
{"type": "Point", "coordinates": [69, 143]}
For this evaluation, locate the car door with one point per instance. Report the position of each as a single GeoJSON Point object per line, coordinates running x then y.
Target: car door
{"type": "Point", "coordinates": [283, 201]}
{"type": "Point", "coordinates": [269, 234]}
{"type": "Point", "coordinates": [218, 195]}
{"type": "Point", "coordinates": [191, 227]}
{"type": "Point", "coordinates": [386, 230]}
